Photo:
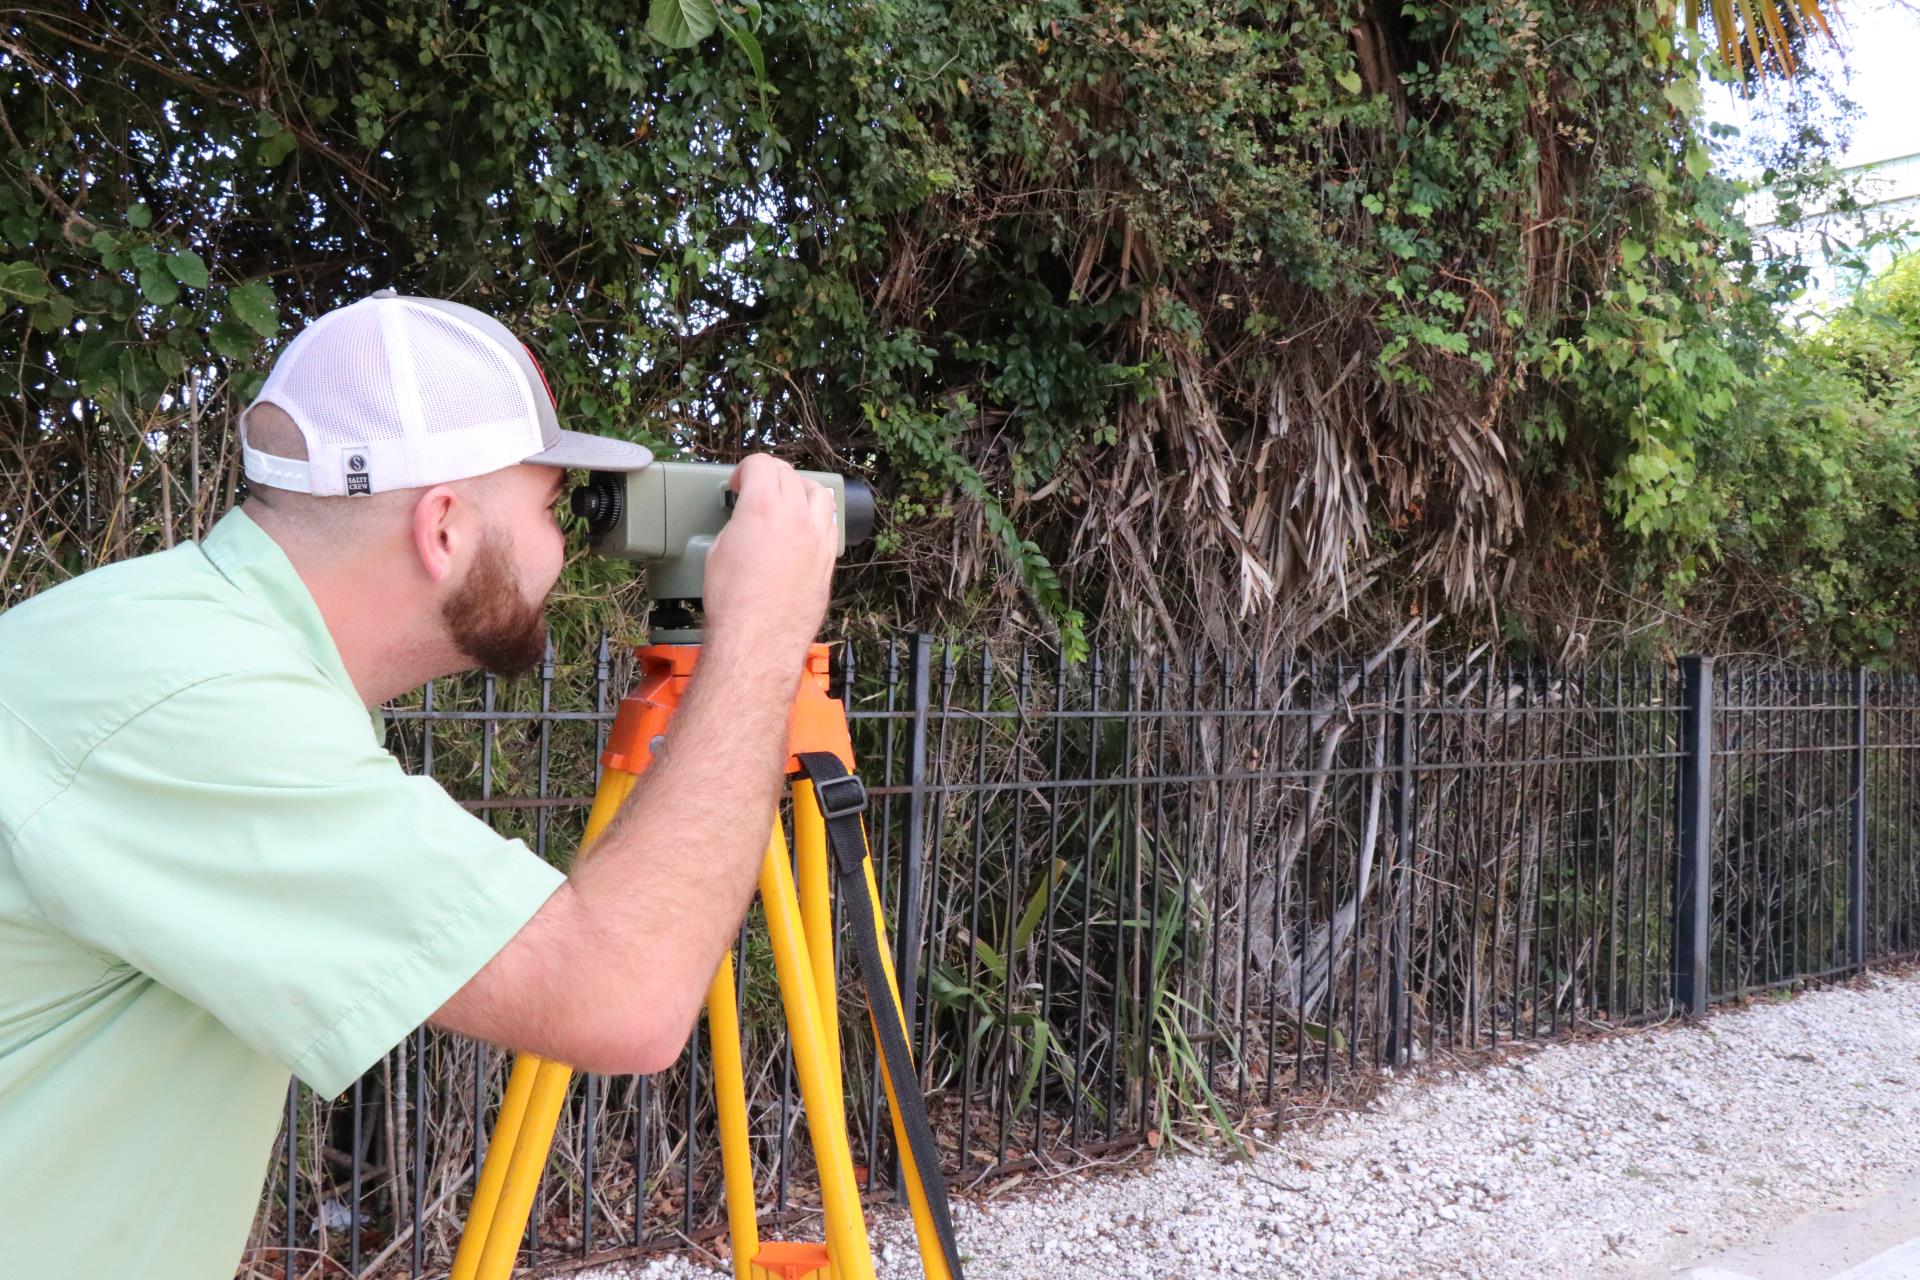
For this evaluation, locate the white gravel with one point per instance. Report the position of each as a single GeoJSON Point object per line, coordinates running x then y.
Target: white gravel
{"type": "Point", "coordinates": [1620, 1156]}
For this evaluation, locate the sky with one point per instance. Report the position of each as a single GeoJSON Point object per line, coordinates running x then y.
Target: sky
{"type": "Point", "coordinates": [1883, 50]}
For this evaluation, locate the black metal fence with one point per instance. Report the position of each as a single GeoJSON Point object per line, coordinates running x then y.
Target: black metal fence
{"type": "Point", "coordinates": [1124, 893]}
{"type": "Point", "coordinates": [1814, 864]}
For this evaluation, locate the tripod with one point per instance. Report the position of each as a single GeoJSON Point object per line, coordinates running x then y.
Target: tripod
{"type": "Point", "coordinates": [828, 800]}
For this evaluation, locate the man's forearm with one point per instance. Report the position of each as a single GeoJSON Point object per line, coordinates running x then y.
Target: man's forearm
{"type": "Point", "coordinates": [609, 972]}
{"type": "Point", "coordinates": [666, 884]}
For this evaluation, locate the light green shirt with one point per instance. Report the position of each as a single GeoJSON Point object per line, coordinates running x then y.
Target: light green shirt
{"type": "Point", "coordinates": [211, 872]}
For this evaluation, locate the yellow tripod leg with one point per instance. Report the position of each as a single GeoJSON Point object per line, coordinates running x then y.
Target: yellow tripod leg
{"type": "Point", "coordinates": [815, 883]}
{"type": "Point", "coordinates": [530, 1150]}
{"type": "Point", "coordinates": [816, 913]}
{"type": "Point", "coordinates": [493, 1174]}
{"type": "Point", "coordinates": [730, 1108]}
{"type": "Point", "coordinates": [529, 1112]}
{"type": "Point", "coordinates": [826, 1115]}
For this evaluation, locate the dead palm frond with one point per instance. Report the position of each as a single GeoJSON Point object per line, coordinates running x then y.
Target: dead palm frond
{"type": "Point", "coordinates": [1759, 37]}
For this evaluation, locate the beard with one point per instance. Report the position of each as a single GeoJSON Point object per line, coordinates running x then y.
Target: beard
{"type": "Point", "coordinates": [493, 625]}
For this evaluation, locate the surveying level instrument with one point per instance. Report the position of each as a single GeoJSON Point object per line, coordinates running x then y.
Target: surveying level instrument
{"type": "Point", "coordinates": [665, 518]}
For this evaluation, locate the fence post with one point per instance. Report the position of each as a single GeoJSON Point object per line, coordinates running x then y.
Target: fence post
{"type": "Point", "coordinates": [1857, 851]}
{"type": "Point", "coordinates": [1399, 1023]}
{"type": "Point", "coordinates": [1692, 885]}
{"type": "Point", "coordinates": [906, 962]}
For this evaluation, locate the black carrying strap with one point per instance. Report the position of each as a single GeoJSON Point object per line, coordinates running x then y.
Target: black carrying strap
{"type": "Point", "coordinates": [842, 799]}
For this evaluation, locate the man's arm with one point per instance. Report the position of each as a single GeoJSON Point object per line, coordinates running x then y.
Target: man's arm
{"type": "Point", "coordinates": [610, 973]}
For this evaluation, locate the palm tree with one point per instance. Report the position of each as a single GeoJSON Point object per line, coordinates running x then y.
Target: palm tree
{"type": "Point", "coordinates": [1758, 37]}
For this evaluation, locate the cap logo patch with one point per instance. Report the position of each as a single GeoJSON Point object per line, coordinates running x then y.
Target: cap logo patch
{"type": "Point", "coordinates": [358, 481]}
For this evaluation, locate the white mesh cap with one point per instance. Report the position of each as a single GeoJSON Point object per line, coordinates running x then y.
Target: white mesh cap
{"type": "Point", "coordinates": [397, 393]}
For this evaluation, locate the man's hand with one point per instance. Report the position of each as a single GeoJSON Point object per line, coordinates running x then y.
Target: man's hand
{"type": "Point", "coordinates": [611, 972]}
{"type": "Point", "coordinates": [769, 571]}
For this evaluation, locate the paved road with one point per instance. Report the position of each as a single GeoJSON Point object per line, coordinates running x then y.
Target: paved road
{"type": "Point", "coordinates": [1874, 1239]}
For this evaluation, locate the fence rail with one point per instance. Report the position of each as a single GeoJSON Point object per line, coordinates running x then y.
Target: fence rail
{"type": "Point", "coordinates": [1121, 889]}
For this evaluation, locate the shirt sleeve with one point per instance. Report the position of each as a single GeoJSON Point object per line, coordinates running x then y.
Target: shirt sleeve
{"type": "Point", "coordinates": [247, 843]}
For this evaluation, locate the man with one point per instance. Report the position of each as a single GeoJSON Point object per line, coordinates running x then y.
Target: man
{"type": "Point", "coordinates": [212, 873]}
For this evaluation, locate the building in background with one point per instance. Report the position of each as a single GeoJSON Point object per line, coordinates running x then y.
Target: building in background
{"type": "Point", "coordinates": [1871, 217]}
{"type": "Point", "coordinates": [1861, 94]}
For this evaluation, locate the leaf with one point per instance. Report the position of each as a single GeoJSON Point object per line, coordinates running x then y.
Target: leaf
{"type": "Point", "coordinates": [1631, 251]}
{"type": "Point", "coordinates": [751, 47]}
{"type": "Point", "coordinates": [1036, 1058]}
{"type": "Point", "coordinates": [681, 24]}
{"type": "Point", "coordinates": [947, 990]}
{"type": "Point", "coordinates": [1349, 80]}
{"type": "Point", "coordinates": [254, 306]}
{"type": "Point", "coordinates": [1683, 94]}
{"type": "Point", "coordinates": [108, 247]}
{"type": "Point", "coordinates": [1319, 1032]}
{"type": "Point", "coordinates": [275, 149]}
{"type": "Point", "coordinates": [55, 313]}
{"type": "Point", "coordinates": [234, 341]}
{"type": "Point", "coordinates": [188, 268]}
{"type": "Point", "coordinates": [158, 287]}
{"type": "Point", "coordinates": [23, 280]}
{"type": "Point", "coordinates": [1036, 904]}
{"type": "Point", "coordinates": [1698, 162]}
{"type": "Point", "coordinates": [139, 217]}
{"type": "Point", "coordinates": [988, 957]}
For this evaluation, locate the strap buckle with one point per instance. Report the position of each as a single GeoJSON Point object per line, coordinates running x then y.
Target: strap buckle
{"type": "Point", "coordinates": [840, 797]}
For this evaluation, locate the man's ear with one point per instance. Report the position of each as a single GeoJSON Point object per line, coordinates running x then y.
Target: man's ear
{"type": "Point", "coordinates": [438, 539]}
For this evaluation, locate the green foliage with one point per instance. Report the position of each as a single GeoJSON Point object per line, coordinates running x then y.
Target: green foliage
{"type": "Point", "coordinates": [1143, 310]}
{"type": "Point", "coordinates": [1657, 365]}
{"type": "Point", "coordinates": [1875, 341]}
{"type": "Point", "coordinates": [1819, 467]}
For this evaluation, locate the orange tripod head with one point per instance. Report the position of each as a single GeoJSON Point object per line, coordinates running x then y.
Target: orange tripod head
{"type": "Point", "coordinates": [818, 723]}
